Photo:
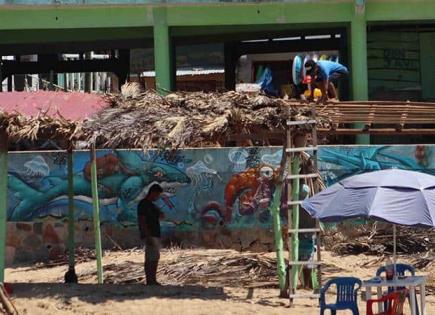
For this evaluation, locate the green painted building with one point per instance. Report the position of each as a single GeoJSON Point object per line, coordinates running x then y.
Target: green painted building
{"type": "Point", "coordinates": [387, 44]}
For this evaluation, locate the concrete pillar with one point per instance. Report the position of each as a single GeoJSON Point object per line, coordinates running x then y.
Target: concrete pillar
{"type": "Point", "coordinates": [163, 53]}
{"type": "Point", "coordinates": [358, 39]}
{"type": "Point", "coordinates": [230, 59]}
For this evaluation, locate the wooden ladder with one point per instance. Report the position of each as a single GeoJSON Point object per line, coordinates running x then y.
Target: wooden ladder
{"type": "Point", "coordinates": [294, 152]}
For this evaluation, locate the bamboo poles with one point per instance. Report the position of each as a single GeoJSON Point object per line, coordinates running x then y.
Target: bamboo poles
{"type": "Point", "coordinates": [279, 244]}
{"type": "Point", "coordinates": [3, 198]}
{"type": "Point", "coordinates": [295, 167]}
{"type": "Point", "coordinates": [70, 276]}
{"type": "Point", "coordinates": [276, 216]}
{"type": "Point", "coordinates": [96, 206]}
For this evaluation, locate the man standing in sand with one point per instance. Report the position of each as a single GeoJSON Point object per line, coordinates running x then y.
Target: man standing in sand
{"type": "Point", "coordinates": [149, 216]}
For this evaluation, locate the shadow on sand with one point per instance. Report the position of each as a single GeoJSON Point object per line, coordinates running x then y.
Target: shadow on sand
{"type": "Point", "coordinates": [95, 293]}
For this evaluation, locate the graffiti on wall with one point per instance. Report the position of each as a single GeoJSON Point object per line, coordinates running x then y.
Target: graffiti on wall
{"type": "Point", "coordinates": [339, 162]}
{"type": "Point", "coordinates": [203, 188]}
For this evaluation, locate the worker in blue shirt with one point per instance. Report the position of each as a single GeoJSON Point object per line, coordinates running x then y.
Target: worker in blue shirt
{"type": "Point", "coordinates": [323, 73]}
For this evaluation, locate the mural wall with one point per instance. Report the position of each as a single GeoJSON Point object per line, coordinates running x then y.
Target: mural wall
{"type": "Point", "coordinates": [203, 187]}
{"type": "Point", "coordinates": [213, 197]}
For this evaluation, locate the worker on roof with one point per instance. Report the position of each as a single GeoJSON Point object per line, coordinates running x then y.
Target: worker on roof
{"type": "Point", "coordinates": [324, 73]}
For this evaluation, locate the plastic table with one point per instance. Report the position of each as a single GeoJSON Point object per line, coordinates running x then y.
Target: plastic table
{"type": "Point", "coordinates": [410, 283]}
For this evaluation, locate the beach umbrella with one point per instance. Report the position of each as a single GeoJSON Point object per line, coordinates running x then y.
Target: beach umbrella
{"type": "Point", "coordinates": [395, 196]}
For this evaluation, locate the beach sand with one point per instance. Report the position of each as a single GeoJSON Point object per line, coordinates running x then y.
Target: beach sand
{"type": "Point", "coordinates": [41, 291]}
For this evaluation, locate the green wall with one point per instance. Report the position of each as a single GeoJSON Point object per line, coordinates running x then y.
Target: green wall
{"type": "Point", "coordinates": [393, 60]}
{"type": "Point", "coordinates": [427, 50]}
{"type": "Point", "coordinates": [401, 64]}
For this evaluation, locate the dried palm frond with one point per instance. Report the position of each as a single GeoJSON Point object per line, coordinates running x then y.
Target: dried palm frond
{"type": "Point", "coordinates": [187, 119]}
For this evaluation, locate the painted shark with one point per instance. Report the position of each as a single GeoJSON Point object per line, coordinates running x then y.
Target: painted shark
{"type": "Point", "coordinates": [128, 184]}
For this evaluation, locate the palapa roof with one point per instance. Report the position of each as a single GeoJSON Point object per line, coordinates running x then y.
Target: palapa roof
{"type": "Point", "coordinates": [185, 119]}
{"type": "Point", "coordinates": [147, 120]}
{"type": "Point", "coordinates": [46, 115]}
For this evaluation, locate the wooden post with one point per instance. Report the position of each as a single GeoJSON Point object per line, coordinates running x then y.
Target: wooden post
{"type": "Point", "coordinates": [289, 144]}
{"type": "Point", "coordinates": [3, 199]}
{"type": "Point", "coordinates": [96, 206]}
{"type": "Point", "coordinates": [71, 218]}
{"type": "Point", "coordinates": [295, 219]}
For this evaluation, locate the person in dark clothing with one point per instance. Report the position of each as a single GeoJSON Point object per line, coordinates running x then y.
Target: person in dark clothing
{"type": "Point", "coordinates": [149, 216]}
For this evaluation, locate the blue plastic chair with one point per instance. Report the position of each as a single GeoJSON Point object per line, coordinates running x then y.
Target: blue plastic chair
{"type": "Point", "coordinates": [347, 292]}
{"type": "Point", "coordinates": [401, 270]}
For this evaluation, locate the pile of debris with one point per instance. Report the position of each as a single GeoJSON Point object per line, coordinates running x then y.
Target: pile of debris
{"type": "Point", "coordinates": [377, 239]}
{"type": "Point", "coordinates": [188, 119]}
{"type": "Point", "coordinates": [218, 268]}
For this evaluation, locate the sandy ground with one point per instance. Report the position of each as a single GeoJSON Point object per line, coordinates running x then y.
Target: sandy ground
{"type": "Point", "coordinates": [40, 291]}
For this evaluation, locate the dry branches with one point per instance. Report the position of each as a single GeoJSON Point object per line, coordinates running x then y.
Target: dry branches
{"type": "Point", "coordinates": [186, 119]}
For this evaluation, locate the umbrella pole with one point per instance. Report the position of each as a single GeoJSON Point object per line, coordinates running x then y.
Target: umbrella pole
{"type": "Point", "coordinates": [394, 249]}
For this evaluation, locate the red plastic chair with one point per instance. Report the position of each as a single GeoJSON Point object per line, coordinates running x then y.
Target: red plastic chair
{"type": "Point", "coordinates": [395, 303]}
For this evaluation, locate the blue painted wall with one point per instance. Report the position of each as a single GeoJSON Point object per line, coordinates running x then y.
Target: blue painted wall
{"type": "Point", "coordinates": [203, 187]}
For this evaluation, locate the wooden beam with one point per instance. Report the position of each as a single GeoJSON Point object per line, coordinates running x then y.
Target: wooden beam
{"type": "Point", "coordinates": [288, 46]}
{"type": "Point", "coordinates": [379, 131]}
{"type": "Point", "coordinates": [71, 216]}
{"type": "Point", "coordinates": [61, 66]}
{"type": "Point", "coordinates": [277, 134]}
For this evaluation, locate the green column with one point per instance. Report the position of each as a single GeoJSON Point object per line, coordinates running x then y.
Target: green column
{"type": "Point", "coordinates": [3, 199]}
{"type": "Point", "coordinates": [96, 206]}
{"type": "Point", "coordinates": [71, 242]}
{"type": "Point", "coordinates": [163, 53]}
{"type": "Point", "coordinates": [358, 40]}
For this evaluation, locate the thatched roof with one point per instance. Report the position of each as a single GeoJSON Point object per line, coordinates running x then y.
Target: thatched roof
{"type": "Point", "coordinates": [135, 119]}
{"type": "Point", "coordinates": [46, 115]}
{"type": "Point", "coordinates": [43, 126]}
{"type": "Point", "coordinates": [185, 119]}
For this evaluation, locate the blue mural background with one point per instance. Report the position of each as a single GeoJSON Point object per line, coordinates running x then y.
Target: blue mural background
{"type": "Point", "coordinates": [203, 187]}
